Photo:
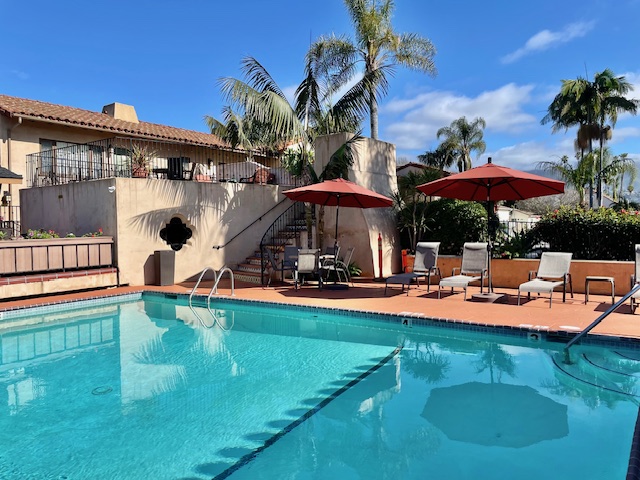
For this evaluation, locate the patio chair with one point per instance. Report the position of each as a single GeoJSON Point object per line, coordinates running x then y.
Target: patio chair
{"type": "Point", "coordinates": [426, 260]}
{"type": "Point", "coordinates": [328, 257]}
{"type": "Point", "coordinates": [308, 263]}
{"type": "Point", "coordinates": [340, 266]}
{"type": "Point", "coordinates": [272, 265]}
{"type": "Point", "coordinates": [289, 257]}
{"type": "Point", "coordinates": [552, 272]}
{"type": "Point", "coordinates": [475, 257]}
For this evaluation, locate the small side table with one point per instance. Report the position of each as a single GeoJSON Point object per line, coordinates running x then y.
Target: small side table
{"type": "Point", "coordinates": [593, 278]}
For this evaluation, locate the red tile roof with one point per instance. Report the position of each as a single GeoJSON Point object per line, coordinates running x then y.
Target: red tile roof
{"type": "Point", "coordinates": [49, 112]}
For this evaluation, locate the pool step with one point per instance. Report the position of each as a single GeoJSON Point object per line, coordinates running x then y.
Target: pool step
{"type": "Point", "coordinates": [610, 372]}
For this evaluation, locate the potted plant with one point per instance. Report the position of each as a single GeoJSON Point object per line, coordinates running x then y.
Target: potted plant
{"type": "Point", "coordinates": [141, 157]}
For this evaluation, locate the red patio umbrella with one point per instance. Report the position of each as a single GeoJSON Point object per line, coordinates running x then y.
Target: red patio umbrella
{"type": "Point", "coordinates": [339, 193]}
{"type": "Point", "coordinates": [492, 183]}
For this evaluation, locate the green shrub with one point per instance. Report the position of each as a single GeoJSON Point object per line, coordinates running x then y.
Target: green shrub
{"type": "Point", "coordinates": [599, 234]}
{"type": "Point", "coordinates": [454, 222]}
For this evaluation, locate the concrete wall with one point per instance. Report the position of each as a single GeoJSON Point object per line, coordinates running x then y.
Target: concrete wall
{"type": "Point", "coordinates": [134, 211]}
{"type": "Point", "coordinates": [374, 168]}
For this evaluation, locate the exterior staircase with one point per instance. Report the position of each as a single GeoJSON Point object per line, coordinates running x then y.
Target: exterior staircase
{"type": "Point", "coordinates": [286, 230]}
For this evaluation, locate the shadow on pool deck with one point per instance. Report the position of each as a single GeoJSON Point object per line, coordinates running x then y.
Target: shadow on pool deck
{"type": "Point", "coordinates": [572, 316]}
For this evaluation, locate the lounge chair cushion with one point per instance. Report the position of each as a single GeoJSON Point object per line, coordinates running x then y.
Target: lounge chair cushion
{"type": "Point", "coordinates": [539, 286]}
{"type": "Point", "coordinates": [460, 281]}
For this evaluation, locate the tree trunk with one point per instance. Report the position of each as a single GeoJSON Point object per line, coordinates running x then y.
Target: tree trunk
{"type": "Point", "coordinates": [373, 113]}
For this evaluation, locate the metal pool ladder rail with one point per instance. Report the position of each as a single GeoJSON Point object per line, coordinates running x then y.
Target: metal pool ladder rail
{"type": "Point", "coordinates": [217, 276]}
{"type": "Point", "coordinates": [567, 357]}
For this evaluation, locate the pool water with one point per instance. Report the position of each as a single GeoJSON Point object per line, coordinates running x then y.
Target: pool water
{"type": "Point", "coordinates": [142, 389]}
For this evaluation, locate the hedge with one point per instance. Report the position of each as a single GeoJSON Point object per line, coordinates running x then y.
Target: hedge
{"type": "Point", "coordinates": [599, 234]}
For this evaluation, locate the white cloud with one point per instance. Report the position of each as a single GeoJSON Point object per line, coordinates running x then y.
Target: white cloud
{"type": "Point", "coordinates": [423, 115]}
{"type": "Point", "coordinates": [20, 74]}
{"type": "Point", "coordinates": [547, 39]}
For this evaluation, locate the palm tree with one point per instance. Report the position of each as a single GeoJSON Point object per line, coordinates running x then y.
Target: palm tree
{"type": "Point", "coordinates": [442, 157]}
{"type": "Point", "coordinates": [462, 138]}
{"type": "Point", "coordinates": [265, 114]}
{"type": "Point", "coordinates": [591, 104]}
{"type": "Point", "coordinates": [377, 47]}
{"type": "Point", "coordinates": [578, 177]}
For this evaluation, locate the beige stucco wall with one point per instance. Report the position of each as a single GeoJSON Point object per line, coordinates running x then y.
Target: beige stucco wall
{"type": "Point", "coordinates": [374, 168]}
{"type": "Point", "coordinates": [137, 209]}
{"type": "Point", "coordinates": [19, 139]}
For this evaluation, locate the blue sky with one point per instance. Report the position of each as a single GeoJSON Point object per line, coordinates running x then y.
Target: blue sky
{"type": "Point", "coordinates": [502, 60]}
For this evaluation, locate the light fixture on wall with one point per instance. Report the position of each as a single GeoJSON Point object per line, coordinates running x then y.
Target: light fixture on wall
{"type": "Point", "coordinates": [6, 198]}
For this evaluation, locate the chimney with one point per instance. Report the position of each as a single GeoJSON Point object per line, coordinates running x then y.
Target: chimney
{"type": "Point", "coordinates": [120, 111]}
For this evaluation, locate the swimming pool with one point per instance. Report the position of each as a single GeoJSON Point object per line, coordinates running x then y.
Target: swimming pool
{"type": "Point", "coordinates": [140, 389]}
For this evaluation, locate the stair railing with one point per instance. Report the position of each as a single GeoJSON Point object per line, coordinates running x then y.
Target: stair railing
{"type": "Point", "coordinates": [283, 229]}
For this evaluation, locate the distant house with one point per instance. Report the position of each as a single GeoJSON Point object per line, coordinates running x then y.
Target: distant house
{"type": "Point", "coordinates": [412, 167]}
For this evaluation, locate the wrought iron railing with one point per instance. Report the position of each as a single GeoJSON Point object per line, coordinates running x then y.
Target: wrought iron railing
{"type": "Point", "coordinates": [286, 228]}
{"type": "Point", "coordinates": [513, 227]}
{"type": "Point", "coordinates": [133, 157]}
{"type": "Point", "coordinates": [9, 221]}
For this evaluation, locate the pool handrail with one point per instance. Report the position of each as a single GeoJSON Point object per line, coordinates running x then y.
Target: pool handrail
{"type": "Point", "coordinates": [217, 275]}
{"type": "Point", "coordinates": [567, 358]}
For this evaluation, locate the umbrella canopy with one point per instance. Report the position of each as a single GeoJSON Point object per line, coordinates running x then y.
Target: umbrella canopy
{"type": "Point", "coordinates": [339, 193]}
{"type": "Point", "coordinates": [491, 182]}
{"type": "Point", "coordinates": [496, 414]}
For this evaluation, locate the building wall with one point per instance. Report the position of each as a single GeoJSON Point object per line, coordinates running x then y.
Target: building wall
{"type": "Point", "coordinates": [134, 211]}
{"type": "Point", "coordinates": [374, 168]}
{"type": "Point", "coordinates": [21, 139]}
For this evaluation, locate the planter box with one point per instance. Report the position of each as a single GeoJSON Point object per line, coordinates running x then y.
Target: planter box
{"type": "Point", "coordinates": [55, 254]}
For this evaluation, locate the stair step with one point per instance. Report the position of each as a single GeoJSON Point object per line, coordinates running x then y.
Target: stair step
{"type": "Point", "coordinates": [249, 268]}
{"type": "Point", "coordinates": [247, 277]}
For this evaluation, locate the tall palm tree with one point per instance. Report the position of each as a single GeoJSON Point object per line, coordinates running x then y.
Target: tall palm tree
{"type": "Point", "coordinates": [591, 104]}
{"type": "Point", "coordinates": [462, 138]}
{"type": "Point", "coordinates": [377, 49]}
{"type": "Point", "coordinates": [262, 105]}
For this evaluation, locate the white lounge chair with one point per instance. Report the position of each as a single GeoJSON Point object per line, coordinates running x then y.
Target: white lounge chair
{"type": "Point", "coordinates": [552, 272]}
{"type": "Point", "coordinates": [475, 258]}
{"type": "Point", "coordinates": [425, 263]}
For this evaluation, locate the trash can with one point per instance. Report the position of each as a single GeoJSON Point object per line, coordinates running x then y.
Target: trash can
{"type": "Point", "coordinates": [165, 265]}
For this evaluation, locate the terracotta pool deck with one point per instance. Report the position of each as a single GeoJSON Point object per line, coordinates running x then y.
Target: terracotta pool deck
{"type": "Point", "coordinates": [571, 316]}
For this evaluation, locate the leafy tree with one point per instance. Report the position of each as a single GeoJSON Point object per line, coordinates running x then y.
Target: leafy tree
{"type": "Point", "coordinates": [411, 204]}
{"type": "Point", "coordinates": [462, 138]}
{"type": "Point", "coordinates": [456, 222]}
{"type": "Point", "coordinates": [377, 47]}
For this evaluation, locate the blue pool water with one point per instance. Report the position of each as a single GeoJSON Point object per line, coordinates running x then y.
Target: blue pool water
{"type": "Point", "coordinates": [141, 390]}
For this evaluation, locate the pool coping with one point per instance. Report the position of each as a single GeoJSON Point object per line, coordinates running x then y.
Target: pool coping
{"type": "Point", "coordinates": [530, 332]}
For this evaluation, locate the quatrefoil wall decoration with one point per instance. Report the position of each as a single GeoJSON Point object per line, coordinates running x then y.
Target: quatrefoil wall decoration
{"type": "Point", "coordinates": [176, 233]}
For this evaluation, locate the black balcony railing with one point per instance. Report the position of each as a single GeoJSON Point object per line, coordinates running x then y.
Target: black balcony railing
{"type": "Point", "coordinates": [132, 157]}
{"type": "Point", "coordinates": [9, 222]}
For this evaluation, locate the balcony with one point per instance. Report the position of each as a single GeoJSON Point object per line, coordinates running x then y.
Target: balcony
{"type": "Point", "coordinates": [132, 157]}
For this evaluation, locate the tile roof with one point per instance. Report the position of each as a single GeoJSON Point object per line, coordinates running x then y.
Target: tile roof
{"type": "Point", "coordinates": [6, 174]}
{"type": "Point", "coordinates": [49, 112]}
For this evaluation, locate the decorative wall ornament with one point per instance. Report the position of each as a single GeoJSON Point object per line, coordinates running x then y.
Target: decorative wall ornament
{"type": "Point", "coordinates": [176, 234]}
